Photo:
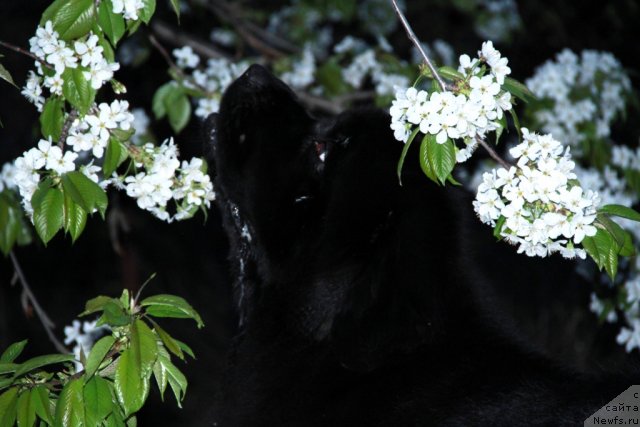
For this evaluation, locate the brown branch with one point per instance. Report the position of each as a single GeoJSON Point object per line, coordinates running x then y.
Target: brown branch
{"type": "Point", "coordinates": [172, 64]}
{"type": "Point", "coordinates": [26, 53]}
{"type": "Point", "coordinates": [416, 42]}
{"type": "Point", "coordinates": [73, 115]}
{"type": "Point", "coordinates": [178, 38]}
{"type": "Point", "coordinates": [46, 321]}
{"type": "Point", "coordinates": [494, 155]}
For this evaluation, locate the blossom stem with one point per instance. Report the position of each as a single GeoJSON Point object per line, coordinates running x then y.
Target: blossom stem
{"type": "Point", "coordinates": [493, 153]}
{"type": "Point", "coordinates": [412, 36]}
{"type": "Point", "coordinates": [26, 53]}
{"type": "Point", "coordinates": [46, 321]}
{"type": "Point", "coordinates": [66, 127]}
{"type": "Point", "coordinates": [172, 65]}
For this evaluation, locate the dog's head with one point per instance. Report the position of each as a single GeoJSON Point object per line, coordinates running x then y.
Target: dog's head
{"type": "Point", "coordinates": [321, 231]}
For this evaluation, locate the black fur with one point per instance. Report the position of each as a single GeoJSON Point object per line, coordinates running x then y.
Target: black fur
{"type": "Point", "coordinates": [362, 302]}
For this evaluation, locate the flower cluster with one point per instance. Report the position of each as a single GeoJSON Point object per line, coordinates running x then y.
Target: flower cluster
{"type": "Point", "coordinates": [469, 112]}
{"type": "Point", "coordinates": [164, 179]}
{"type": "Point", "coordinates": [128, 8]}
{"type": "Point", "coordinates": [94, 130]}
{"type": "Point", "coordinates": [213, 79]}
{"type": "Point", "coordinates": [588, 93]}
{"type": "Point", "coordinates": [83, 339]}
{"type": "Point", "coordinates": [302, 72]}
{"type": "Point", "coordinates": [540, 203]}
{"type": "Point", "coordinates": [85, 53]}
{"type": "Point", "coordinates": [366, 64]}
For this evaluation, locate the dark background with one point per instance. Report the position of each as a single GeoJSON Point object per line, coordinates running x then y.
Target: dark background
{"type": "Point", "coordinates": [190, 258]}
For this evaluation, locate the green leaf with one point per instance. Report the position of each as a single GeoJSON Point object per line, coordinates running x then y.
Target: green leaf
{"type": "Point", "coordinates": [175, 4]}
{"type": "Point", "coordinates": [115, 155]}
{"type": "Point", "coordinates": [613, 228]}
{"type": "Point", "coordinates": [5, 382]}
{"type": "Point", "coordinates": [6, 76]}
{"type": "Point", "coordinates": [41, 403]}
{"type": "Point", "coordinates": [174, 377]}
{"type": "Point", "coordinates": [114, 315]}
{"type": "Point", "coordinates": [72, 19]}
{"type": "Point", "coordinates": [442, 158]}
{"type": "Point", "coordinates": [75, 218]}
{"type": "Point", "coordinates": [147, 11]}
{"type": "Point", "coordinates": [627, 248]}
{"type": "Point", "coordinates": [6, 368]}
{"type": "Point", "coordinates": [185, 348]}
{"type": "Point", "coordinates": [48, 211]}
{"type": "Point", "coordinates": [13, 351]}
{"type": "Point", "coordinates": [144, 347]}
{"type": "Point", "coordinates": [111, 23]}
{"type": "Point", "coordinates": [85, 192]}
{"type": "Point", "coordinates": [329, 76]}
{"type": "Point", "coordinates": [405, 150]}
{"type": "Point", "coordinates": [70, 405]}
{"type": "Point", "coordinates": [516, 123]}
{"type": "Point", "coordinates": [12, 222]}
{"type": "Point", "coordinates": [8, 407]}
{"type": "Point", "coordinates": [178, 109]}
{"type": "Point", "coordinates": [161, 376]}
{"type": "Point", "coordinates": [621, 211]}
{"type": "Point", "coordinates": [425, 164]}
{"type": "Point", "coordinates": [52, 118]}
{"type": "Point", "coordinates": [129, 384]}
{"type": "Point", "coordinates": [168, 341]}
{"type": "Point", "coordinates": [157, 103]}
{"type": "Point", "coordinates": [498, 228]}
{"type": "Point", "coordinates": [518, 90]}
{"type": "Point", "coordinates": [95, 304]}
{"type": "Point", "coordinates": [604, 251]}
{"type": "Point", "coordinates": [114, 420]}
{"type": "Point", "coordinates": [97, 401]}
{"type": "Point", "coordinates": [97, 354]}
{"type": "Point", "coordinates": [40, 361]}
{"type": "Point", "coordinates": [77, 89]}
{"type": "Point", "coordinates": [171, 306]}
{"type": "Point", "coordinates": [26, 410]}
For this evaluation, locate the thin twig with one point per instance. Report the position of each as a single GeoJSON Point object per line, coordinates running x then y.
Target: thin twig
{"type": "Point", "coordinates": [416, 42]}
{"type": "Point", "coordinates": [46, 321]}
{"type": "Point", "coordinates": [173, 65]}
{"type": "Point", "coordinates": [493, 153]}
{"type": "Point", "coordinates": [26, 52]}
{"type": "Point", "coordinates": [179, 38]}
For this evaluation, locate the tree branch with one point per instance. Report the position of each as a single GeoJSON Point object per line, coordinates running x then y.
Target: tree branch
{"type": "Point", "coordinates": [178, 38]}
{"type": "Point", "coordinates": [26, 53]}
{"type": "Point", "coordinates": [46, 321]}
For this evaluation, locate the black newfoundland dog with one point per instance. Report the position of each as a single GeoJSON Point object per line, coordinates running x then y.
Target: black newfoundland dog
{"type": "Point", "coordinates": [362, 302]}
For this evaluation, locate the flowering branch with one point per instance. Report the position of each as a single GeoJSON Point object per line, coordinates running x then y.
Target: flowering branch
{"type": "Point", "coordinates": [26, 53]}
{"type": "Point", "coordinates": [178, 38]}
{"type": "Point", "coordinates": [67, 127]}
{"type": "Point", "coordinates": [46, 321]}
{"type": "Point", "coordinates": [494, 155]}
{"type": "Point", "coordinates": [172, 65]}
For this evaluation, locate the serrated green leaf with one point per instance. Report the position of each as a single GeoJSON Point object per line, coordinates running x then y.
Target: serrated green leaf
{"type": "Point", "coordinates": [111, 23]}
{"type": "Point", "coordinates": [516, 123]}
{"type": "Point", "coordinates": [621, 211]}
{"type": "Point", "coordinates": [171, 306]}
{"type": "Point", "coordinates": [613, 228]}
{"type": "Point", "coordinates": [129, 384]}
{"type": "Point", "coordinates": [52, 118]}
{"type": "Point", "coordinates": [147, 11]}
{"type": "Point", "coordinates": [48, 211]}
{"type": "Point", "coordinates": [114, 420]}
{"type": "Point", "coordinates": [97, 354]}
{"type": "Point", "coordinates": [107, 49]}
{"type": "Point", "coordinates": [8, 407]}
{"type": "Point", "coordinates": [442, 158]}
{"type": "Point", "coordinates": [97, 401]}
{"type": "Point", "coordinates": [71, 18]}
{"type": "Point", "coordinates": [185, 348]}
{"type": "Point", "coordinates": [40, 361]}
{"type": "Point", "coordinates": [425, 163]}
{"type": "Point", "coordinates": [75, 218]}
{"type": "Point", "coordinates": [604, 251]}
{"type": "Point", "coordinates": [77, 89]}
{"type": "Point", "coordinates": [627, 248]}
{"type": "Point", "coordinates": [143, 347]}
{"type": "Point", "coordinates": [41, 403]}
{"type": "Point", "coordinates": [176, 379]}
{"type": "Point", "coordinates": [160, 374]}
{"type": "Point", "coordinates": [6, 76]}
{"type": "Point", "coordinates": [403, 155]}
{"type": "Point", "coordinates": [70, 405]}
{"type": "Point", "coordinates": [178, 109]}
{"type": "Point", "coordinates": [95, 304]}
{"type": "Point", "coordinates": [86, 193]}
{"type": "Point", "coordinates": [168, 341]}
{"type": "Point", "coordinates": [13, 351]}
{"type": "Point", "coordinates": [114, 156]}
{"type": "Point", "coordinates": [114, 315]}
{"type": "Point", "coordinates": [26, 410]}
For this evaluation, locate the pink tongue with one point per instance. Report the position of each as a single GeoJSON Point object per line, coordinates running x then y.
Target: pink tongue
{"type": "Point", "coordinates": [321, 150]}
